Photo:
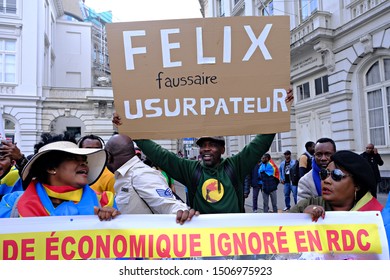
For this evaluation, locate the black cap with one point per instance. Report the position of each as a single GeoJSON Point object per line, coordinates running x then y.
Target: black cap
{"type": "Point", "coordinates": [219, 139]}
{"type": "Point", "coordinates": [287, 152]}
{"type": "Point", "coordinates": [357, 166]}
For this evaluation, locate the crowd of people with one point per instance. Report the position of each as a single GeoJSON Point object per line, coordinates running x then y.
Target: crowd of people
{"type": "Point", "coordinates": [91, 177]}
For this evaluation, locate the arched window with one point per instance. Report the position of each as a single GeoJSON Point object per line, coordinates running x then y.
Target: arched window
{"type": "Point", "coordinates": [377, 90]}
{"type": "Point", "coordinates": [267, 8]}
{"type": "Point", "coordinates": [9, 129]}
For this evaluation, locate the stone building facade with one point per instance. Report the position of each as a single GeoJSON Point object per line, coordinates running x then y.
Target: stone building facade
{"type": "Point", "coordinates": [340, 71]}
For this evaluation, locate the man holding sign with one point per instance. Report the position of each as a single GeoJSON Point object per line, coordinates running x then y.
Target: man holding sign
{"type": "Point", "coordinates": [209, 183]}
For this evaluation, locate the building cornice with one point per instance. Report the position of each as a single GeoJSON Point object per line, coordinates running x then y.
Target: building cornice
{"type": "Point", "coordinates": [356, 23]}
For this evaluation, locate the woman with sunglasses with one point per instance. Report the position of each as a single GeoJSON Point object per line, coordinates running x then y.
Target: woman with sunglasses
{"type": "Point", "coordinates": [346, 185]}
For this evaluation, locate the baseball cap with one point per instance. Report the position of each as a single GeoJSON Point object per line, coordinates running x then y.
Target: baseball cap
{"type": "Point", "coordinates": [219, 139]}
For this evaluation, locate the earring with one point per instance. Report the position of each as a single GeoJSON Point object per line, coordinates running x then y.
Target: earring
{"type": "Point", "coordinates": [53, 172]}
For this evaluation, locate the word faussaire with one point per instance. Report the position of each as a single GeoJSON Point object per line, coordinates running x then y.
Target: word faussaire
{"type": "Point", "coordinates": [190, 80]}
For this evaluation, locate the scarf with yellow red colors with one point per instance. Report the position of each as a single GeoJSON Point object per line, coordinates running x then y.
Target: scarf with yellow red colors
{"type": "Point", "coordinates": [36, 202]}
{"type": "Point", "coordinates": [367, 203]}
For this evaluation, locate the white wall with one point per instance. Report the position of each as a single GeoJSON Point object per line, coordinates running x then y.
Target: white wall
{"type": "Point", "coordinates": [73, 55]}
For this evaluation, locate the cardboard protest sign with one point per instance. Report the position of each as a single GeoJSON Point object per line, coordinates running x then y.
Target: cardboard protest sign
{"type": "Point", "coordinates": [194, 77]}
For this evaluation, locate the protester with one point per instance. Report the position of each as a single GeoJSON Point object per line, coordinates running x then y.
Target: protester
{"type": "Point", "coordinates": [11, 150]}
{"type": "Point", "coordinates": [269, 175]}
{"type": "Point", "coordinates": [9, 176]}
{"type": "Point", "coordinates": [253, 181]}
{"type": "Point", "coordinates": [284, 170]}
{"type": "Point", "coordinates": [305, 159]}
{"type": "Point", "coordinates": [106, 181]}
{"type": "Point", "coordinates": [58, 176]}
{"type": "Point", "coordinates": [374, 159]}
{"type": "Point", "coordinates": [346, 185]}
{"type": "Point", "coordinates": [141, 189]}
{"type": "Point", "coordinates": [310, 184]}
{"type": "Point", "coordinates": [209, 181]}
{"type": "Point", "coordinates": [21, 160]}
{"type": "Point", "coordinates": [213, 191]}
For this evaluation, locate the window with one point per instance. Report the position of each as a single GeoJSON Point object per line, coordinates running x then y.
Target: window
{"type": "Point", "coordinates": [307, 7]}
{"type": "Point", "coordinates": [321, 85]}
{"type": "Point", "coordinates": [373, 75]}
{"type": "Point", "coordinates": [95, 52]}
{"type": "Point", "coordinates": [267, 8]}
{"type": "Point", "coordinates": [7, 61]}
{"type": "Point", "coordinates": [8, 128]}
{"type": "Point", "coordinates": [303, 91]}
{"type": "Point", "coordinates": [74, 130]}
{"type": "Point", "coordinates": [8, 7]}
{"type": "Point", "coordinates": [377, 90]}
{"type": "Point", "coordinates": [276, 146]}
{"type": "Point", "coordinates": [221, 8]}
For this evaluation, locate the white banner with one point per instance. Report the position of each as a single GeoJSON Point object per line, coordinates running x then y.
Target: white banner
{"type": "Point", "coordinates": [190, 270]}
{"type": "Point", "coordinates": [341, 235]}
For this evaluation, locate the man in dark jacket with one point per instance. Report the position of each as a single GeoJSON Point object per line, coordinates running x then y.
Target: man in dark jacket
{"type": "Point", "coordinates": [214, 192]}
{"type": "Point", "coordinates": [306, 158]}
{"type": "Point", "coordinates": [374, 159]}
{"type": "Point", "coordinates": [253, 181]}
{"type": "Point", "coordinates": [289, 187]}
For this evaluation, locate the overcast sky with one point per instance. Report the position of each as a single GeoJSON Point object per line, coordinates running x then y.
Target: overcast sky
{"type": "Point", "coordinates": [138, 10]}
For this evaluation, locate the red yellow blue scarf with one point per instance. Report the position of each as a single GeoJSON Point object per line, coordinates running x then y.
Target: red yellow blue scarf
{"type": "Point", "coordinates": [275, 168]}
{"type": "Point", "coordinates": [11, 182]}
{"type": "Point", "coordinates": [35, 201]}
{"type": "Point", "coordinates": [270, 169]}
{"type": "Point", "coordinates": [368, 203]}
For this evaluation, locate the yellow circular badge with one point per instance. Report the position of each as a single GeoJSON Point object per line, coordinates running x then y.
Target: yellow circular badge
{"type": "Point", "coordinates": [210, 191]}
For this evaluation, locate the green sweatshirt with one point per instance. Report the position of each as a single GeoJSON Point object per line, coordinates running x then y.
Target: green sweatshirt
{"type": "Point", "coordinates": [215, 192]}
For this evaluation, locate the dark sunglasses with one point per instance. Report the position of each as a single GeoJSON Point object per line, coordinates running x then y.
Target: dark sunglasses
{"type": "Point", "coordinates": [72, 157]}
{"type": "Point", "coordinates": [336, 174]}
